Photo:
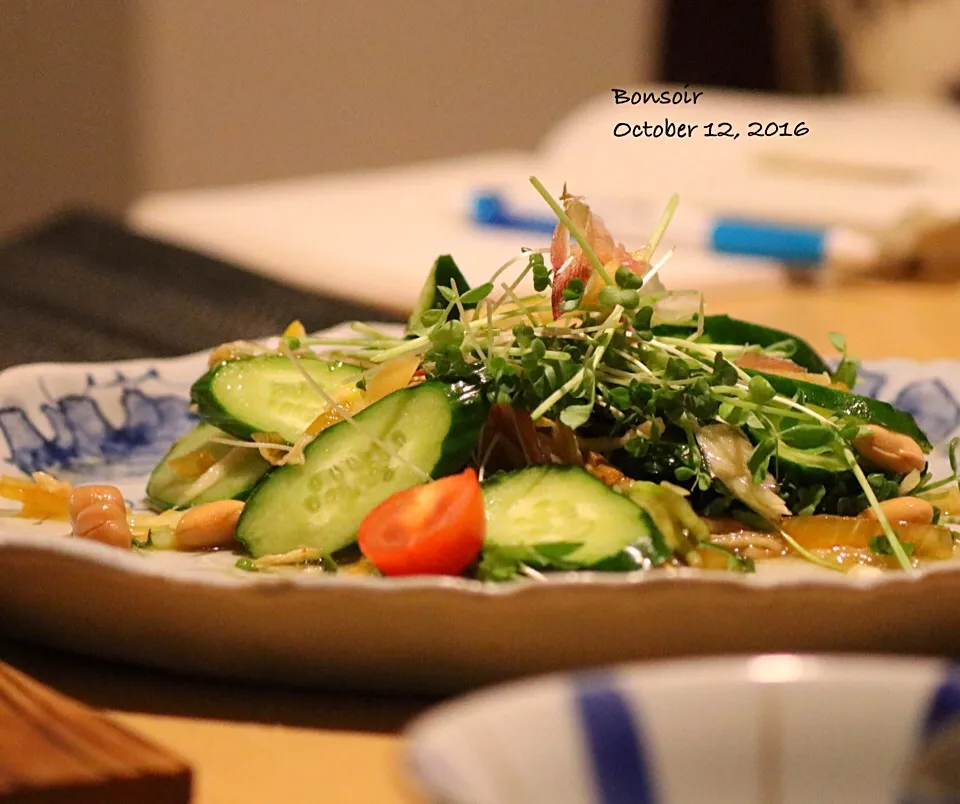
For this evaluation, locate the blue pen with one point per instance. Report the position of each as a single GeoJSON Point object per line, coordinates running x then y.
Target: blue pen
{"type": "Point", "coordinates": [797, 245]}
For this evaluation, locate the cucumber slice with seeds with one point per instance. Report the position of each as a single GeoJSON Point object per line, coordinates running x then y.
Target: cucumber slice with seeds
{"type": "Point", "coordinates": [266, 394]}
{"type": "Point", "coordinates": [346, 473]}
{"type": "Point", "coordinates": [545, 505]}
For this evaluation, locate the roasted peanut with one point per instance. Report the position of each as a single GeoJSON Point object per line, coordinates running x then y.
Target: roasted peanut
{"type": "Point", "coordinates": [903, 509]}
{"type": "Point", "coordinates": [209, 525]}
{"type": "Point", "coordinates": [100, 513]}
{"type": "Point", "coordinates": [892, 451]}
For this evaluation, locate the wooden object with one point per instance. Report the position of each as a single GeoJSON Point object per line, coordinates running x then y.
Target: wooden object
{"type": "Point", "coordinates": [54, 750]}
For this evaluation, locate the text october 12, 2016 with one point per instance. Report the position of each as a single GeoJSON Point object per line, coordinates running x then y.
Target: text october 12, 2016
{"type": "Point", "coordinates": [681, 130]}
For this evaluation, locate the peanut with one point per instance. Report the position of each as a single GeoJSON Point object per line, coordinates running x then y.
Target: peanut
{"type": "Point", "coordinates": [892, 451]}
{"type": "Point", "coordinates": [911, 510]}
{"type": "Point", "coordinates": [209, 525]}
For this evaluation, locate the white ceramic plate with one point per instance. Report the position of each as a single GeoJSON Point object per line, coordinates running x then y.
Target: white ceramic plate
{"type": "Point", "coordinates": [771, 729]}
{"type": "Point", "coordinates": [196, 613]}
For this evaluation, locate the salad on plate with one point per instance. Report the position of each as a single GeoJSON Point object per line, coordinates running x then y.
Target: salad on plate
{"type": "Point", "coordinates": [598, 423]}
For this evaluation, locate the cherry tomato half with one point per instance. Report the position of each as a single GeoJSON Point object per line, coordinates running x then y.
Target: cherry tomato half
{"type": "Point", "coordinates": [434, 529]}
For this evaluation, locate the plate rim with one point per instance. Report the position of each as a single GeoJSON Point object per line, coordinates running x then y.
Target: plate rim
{"type": "Point", "coordinates": [139, 563]}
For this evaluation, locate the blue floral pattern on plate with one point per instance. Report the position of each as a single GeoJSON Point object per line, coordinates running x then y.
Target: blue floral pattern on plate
{"type": "Point", "coordinates": [933, 405]}
{"type": "Point", "coordinates": [83, 436]}
{"type": "Point", "coordinates": [108, 422]}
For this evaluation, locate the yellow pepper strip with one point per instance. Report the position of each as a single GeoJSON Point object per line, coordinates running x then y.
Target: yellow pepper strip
{"type": "Point", "coordinates": [349, 399]}
{"type": "Point", "coordinates": [295, 330]}
{"type": "Point", "coordinates": [193, 464]}
{"type": "Point", "coordinates": [42, 497]}
{"type": "Point", "coordinates": [392, 376]}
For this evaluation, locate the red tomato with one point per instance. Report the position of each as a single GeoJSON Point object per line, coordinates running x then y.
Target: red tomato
{"type": "Point", "coordinates": [434, 529]}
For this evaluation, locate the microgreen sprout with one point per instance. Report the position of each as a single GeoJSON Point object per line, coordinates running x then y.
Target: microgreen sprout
{"type": "Point", "coordinates": [541, 275]}
{"type": "Point", "coordinates": [605, 368]}
{"type": "Point", "coordinates": [880, 545]}
{"type": "Point", "coordinates": [663, 223]}
{"type": "Point", "coordinates": [846, 371]}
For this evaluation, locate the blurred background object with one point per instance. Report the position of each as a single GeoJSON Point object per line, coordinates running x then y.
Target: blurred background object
{"type": "Point", "coordinates": [897, 47]}
{"type": "Point", "coordinates": [889, 47]}
{"type": "Point", "coordinates": [106, 100]}
{"type": "Point", "coordinates": [277, 135]}
{"type": "Point", "coordinates": [65, 91]}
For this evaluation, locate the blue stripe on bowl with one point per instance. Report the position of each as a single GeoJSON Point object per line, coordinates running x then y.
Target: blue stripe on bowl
{"type": "Point", "coordinates": [943, 711]}
{"type": "Point", "coordinates": [621, 773]}
{"type": "Point", "coordinates": [931, 776]}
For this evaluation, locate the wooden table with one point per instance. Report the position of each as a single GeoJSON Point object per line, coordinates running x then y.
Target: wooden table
{"type": "Point", "coordinates": [253, 744]}
{"type": "Point", "coordinates": [246, 743]}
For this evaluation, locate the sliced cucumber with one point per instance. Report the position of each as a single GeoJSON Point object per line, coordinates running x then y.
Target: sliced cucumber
{"type": "Point", "coordinates": [443, 274]}
{"type": "Point", "coordinates": [347, 473]}
{"type": "Point", "coordinates": [724, 329]}
{"type": "Point", "coordinates": [169, 489]}
{"type": "Point", "coordinates": [862, 408]}
{"type": "Point", "coordinates": [822, 463]}
{"type": "Point", "coordinates": [545, 505]}
{"type": "Point", "coordinates": [266, 394]}
{"type": "Point", "coordinates": [799, 473]}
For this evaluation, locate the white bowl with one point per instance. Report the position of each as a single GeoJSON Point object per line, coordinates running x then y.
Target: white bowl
{"type": "Point", "coordinates": [768, 729]}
